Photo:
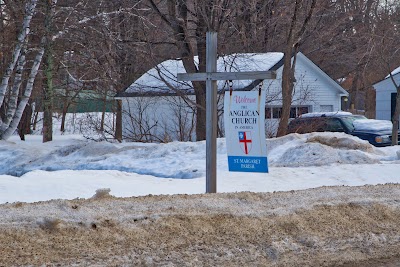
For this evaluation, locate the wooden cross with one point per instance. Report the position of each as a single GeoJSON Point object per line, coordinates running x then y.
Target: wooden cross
{"type": "Point", "coordinates": [211, 77]}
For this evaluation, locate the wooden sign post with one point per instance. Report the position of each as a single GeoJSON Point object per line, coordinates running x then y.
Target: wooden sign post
{"type": "Point", "coordinates": [211, 77]}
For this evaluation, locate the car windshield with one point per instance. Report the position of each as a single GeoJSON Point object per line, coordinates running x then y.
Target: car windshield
{"type": "Point", "coordinates": [348, 121]}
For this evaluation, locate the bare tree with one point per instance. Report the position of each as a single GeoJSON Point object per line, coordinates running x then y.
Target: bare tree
{"type": "Point", "coordinates": [102, 37]}
{"type": "Point", "coordinates": [48, 90]}
{"type": "Point", "coordinates": [385, 52]}
{"type": "Point", "coordinates": [342, 44]}
{"type": "Point", "coordinates": [115, 42]}
{"type": "Point", "coordinates": [113, 47]}
{"type": "Point", "coordinates": [296, 31]}
{"type": "Point", "coordinates": [188, 22]}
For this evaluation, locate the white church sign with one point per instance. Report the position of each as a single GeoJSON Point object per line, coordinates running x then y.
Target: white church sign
{"type": "Point", "coordinates": [244, 114]}
{"type": "Point", "coordinates": [211, 76]}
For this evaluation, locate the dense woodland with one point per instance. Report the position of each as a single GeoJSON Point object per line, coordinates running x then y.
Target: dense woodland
{"type": "Point", "coordinates": [53, 50]}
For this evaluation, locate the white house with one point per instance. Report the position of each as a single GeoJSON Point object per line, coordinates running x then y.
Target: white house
{"type": "Point", "coordinates": [386, 93]}
{"type": "Point", "coordinates": [158, 107]}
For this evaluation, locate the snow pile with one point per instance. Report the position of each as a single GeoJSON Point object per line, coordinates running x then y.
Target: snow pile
{"type": "Point", "coordinates": [318, 149]}
{"type": "Point", "coordinates": [172, 160]}
{"type": "Point", "coordinates": [72, 167]}
{"type": "Point", "coordinates": [372, 125]}
{"type": "Point", "coordinates": [182, 160]}
{"type": "Point", "coordinates": [342, 142]}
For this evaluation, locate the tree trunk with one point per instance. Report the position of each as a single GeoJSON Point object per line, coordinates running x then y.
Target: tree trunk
{"type": "Point", "coordinates": [35, 120]}
{"type": "Point", "coordinates": [48, 83]}
{"type": "Point", "coordinates": [24, 126]}
{"type": "Point", "coordinates": [200, 114]}
{"type": "Point", "coordinates": [287, 81]}
{"type": "Point", "coordinates": [118, 121]}
{"type": "Point", "coordinates": [103, 113]}
{"type": "Point", "coordinates": [292, 45]}
{"type": "Point", "coordinates": [395, 119]}
{"type": "Point", "coordinates": [63, 116]}
{"type": "Point", "coordinates": [287, 91]}
{"type": "Point", "coordinates": [354, 90]}
{"type": "Point", "coordinates": [13, 100]}
{"type": "Point", "coordinates": [48, 99]}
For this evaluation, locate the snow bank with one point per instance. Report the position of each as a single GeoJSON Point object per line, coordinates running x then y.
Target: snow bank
{"type": "Point", "coordinates": [317, 149]}
{"type": "Point", "coordinates": [182, 160]}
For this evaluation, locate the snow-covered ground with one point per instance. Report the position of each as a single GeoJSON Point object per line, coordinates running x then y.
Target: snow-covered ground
{"type": "Point", "coordinates": [73, 167]}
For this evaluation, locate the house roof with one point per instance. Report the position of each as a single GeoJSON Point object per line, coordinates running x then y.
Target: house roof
{"type": "Point", "coordinates": [160, 79]}
{"type": "Point", "coordinates": [317, 69]}
{"type": "Point", "coordinates": [394, 73]}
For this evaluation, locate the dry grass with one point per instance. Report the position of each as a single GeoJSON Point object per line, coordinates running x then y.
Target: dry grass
{"type": "Point", "coordinates": [346, 143]}
{"type": "Point", "coordinates": [325, 235]}
{"type": "Point", "coordinates": [50, 224]}
{"type": "Point", "coordinates": [102, 193]}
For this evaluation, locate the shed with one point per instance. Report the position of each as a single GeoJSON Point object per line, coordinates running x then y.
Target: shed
{"type": "Point", "coordinates": [386, 93]}
{"type": "Point", "coordinates": [157, 105]}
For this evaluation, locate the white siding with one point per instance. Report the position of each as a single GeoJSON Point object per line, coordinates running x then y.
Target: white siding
{"type": "Point", "coordinates": [384, 89]}
{"type": "Point", "coordinates": [157, 118]}
{"type": "Point", "coordinates": [311, 89]}
{"type": "Point", "coordinates": [326, 108]}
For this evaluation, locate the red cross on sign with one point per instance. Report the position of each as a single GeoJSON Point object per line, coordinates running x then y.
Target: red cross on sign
{"type": "Point", "coordinates": [245, 138]}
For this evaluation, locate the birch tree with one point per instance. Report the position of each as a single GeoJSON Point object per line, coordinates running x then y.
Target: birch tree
{"type": "Point", "coordinates": [70, 18]}
{"type": "Point", "coordinates": [14, 70]}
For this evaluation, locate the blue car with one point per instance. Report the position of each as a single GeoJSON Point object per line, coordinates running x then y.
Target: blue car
{"type": "Point", "coordinates": [376, 132]}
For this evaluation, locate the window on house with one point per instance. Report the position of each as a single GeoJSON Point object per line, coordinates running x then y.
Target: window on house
{"type": "Point", "coordinates": [293, 112]}
{"type": "Point", "coordinates": [393, 97]}
{"type": "Point", "coordinates": [276, 112]}
{"type": "Point", "coordinates": [268, 113]}
{"type": "Point", "coordinates": [326, 108]}
{"type": "Point", "coordinates": [302, 110]}
{"type": "Point", "coordinates": [297, 111]}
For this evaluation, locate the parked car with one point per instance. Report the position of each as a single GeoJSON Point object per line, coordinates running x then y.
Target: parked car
{"type": "Point", "coordinates": [377, 132]}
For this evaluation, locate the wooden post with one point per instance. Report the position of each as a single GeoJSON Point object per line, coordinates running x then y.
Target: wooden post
{"type": "Point", "coordinates": [211, 113]}
{"type": "Point", "coordinates": [211, 77]}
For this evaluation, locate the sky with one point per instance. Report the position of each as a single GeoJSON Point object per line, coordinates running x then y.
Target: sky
{"type": "Point", "coordinates": [74, 167]}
